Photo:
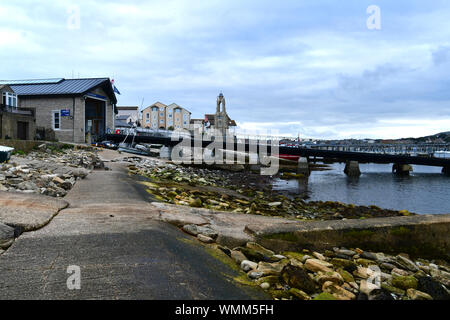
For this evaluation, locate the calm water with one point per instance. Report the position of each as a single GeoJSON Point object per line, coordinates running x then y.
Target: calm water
{"type": "Point", "coordinates": [426, 190]}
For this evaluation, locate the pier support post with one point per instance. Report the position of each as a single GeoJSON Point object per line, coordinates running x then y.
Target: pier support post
{"type": "Point", "coordinates": [446, 171]}
{"type": "Point", "coordinates": [303, 167]}
{"type": "Point", "coordinates": [402, 169]}
{"type": "Point", "coordinates": [352, 169]}
{"type": "Point", "coordinates": [165, 153]}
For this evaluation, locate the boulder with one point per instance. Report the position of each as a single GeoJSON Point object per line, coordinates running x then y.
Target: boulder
{"type": "Point", "coordinates": [205, 239]}
{"type": "Point", "coordinates": [435, 289]}
{"type": "Point", "coordinates": [414, 294]}
{"type": "Point", "coordinates": [299, 294]}
{"type": "Point", "coordinates": [247, 265]}
{"type": "Point", "coordinates": [367, 287]}
{"type": "Point", "coordinates": [268, 269]}
{"type": "Point", "coordinates": [347, 265]}
{"type": "Point", "coordinates": [258, 248]}
{"type": "Point", "coordinates": [6, 236]}
{"type": "Point", "coordinates": [337, 291]}
{"type": "Point", "coordinates": [407, 263]}
{"type": "Point", "coordinates": [296, 277]}
{"type": "Point", "coordinates": [238, 256]}
{"type": "Point", "coordinates": [316, 265]}
{"type": "Point", "coordinates": [329, 276]}
{"type": "Point", "coordinates": [404, 282]}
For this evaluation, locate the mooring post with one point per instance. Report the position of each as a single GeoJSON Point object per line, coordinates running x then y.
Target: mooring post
{"type": "Point", "coordinates": [303, 166]}
{"type": "Point", "coordinates": [401, 169]}
{"type": "Point", "coordinates": [352, 169]}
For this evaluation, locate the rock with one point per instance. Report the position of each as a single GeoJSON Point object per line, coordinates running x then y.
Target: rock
{"type": "Point", "coordinates": [368, 255]}
{"type": "Point", "coordinates": [441, 276]}
{"type": "Point", "coordinates": [254, 255]}
{"type": "Point", "coordinates": [260, 249]}
{"type": "Point", "coordinates": [393, 289]}
{"type": "Point", "coordinates": [274, 204]}
{"type": "Point", "coordinates": [399, 272]}
{"type": "Point", "coordinates": [407, 263]}
{"type": "Point", "coordinates": [365, 262]}
{"type": "Point", "coordinates": [272, 280]}
{"type": "Point", "coordinates": [80, 173]}
{"type": "Point", "coordinates": [362, 272]}
{"type": "Point", "coordinates": [247, 265]}
{"type": "Point", "coordinates": [278, 257]}
{"type": "Point", "coordinates": [347, 265]}
{"type": "Point", "coordinates": [329, 276]}
{"type": "Point", "coordinates": [268, 269]}
{"type": "Point", "coordinates": [195, 203]}
{"type": "Point", "coordinates": [435, 289]}
{"type": "Point", "coordinates": [381, 294]}
{"type": "Point", "coordinates": [265, 286]}
{"type": "Point", "coordinates": [58, 180]}
{"type": "Point", "coordinates": [404, 282]}
{"type": "Point", "coordinates": [296, 277]}
{"type": "Point", "coordinates": [325, 296]}
{"type": "Point", "coordinates": [255, 275]}
{"type": "Point", "coordinates": [347, 276]}
{"type": "Point", "coordinates": [319, 256]}
{"type": "Point", "coordinates": [304, 258]}
{"type": "Point", "coordinates": [6, 236]}
{"type": "Point", "coordinates": [337, 291]}
{"type": "Point", "coordinates": [299, 294]}
{"type": "Point", "coordinates": [238, 256]}
{"type": "Point", "coordinates": [387, 266]}
{"type": "Point", "coordinates": [316, 265]}
{"type": "Point", "coordinates": [205, 239]}
{"type": "Point", "coordinates": [344, 252]}
{"type": "Point", "coordinates": [367, 287]}
{"type": "Point", "coordinates": [195, 230]}
{"type": "Point", "coordinates": [414, 294]}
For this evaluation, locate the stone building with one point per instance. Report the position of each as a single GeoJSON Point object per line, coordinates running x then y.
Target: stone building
{"type": "Point", "coordinates": [14, 122]}
{"type": "Point", "coordinates": [74, 109]}
{"type": "Point", "coordinates": [220, 120]}
{"type": "Point", "coordinates": [161, 116]}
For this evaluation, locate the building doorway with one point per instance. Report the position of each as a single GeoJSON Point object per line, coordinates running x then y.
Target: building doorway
{"type": "Point", "coordinates": [22, 130]}
{"type": "Point", "coordinates": [95, 120]}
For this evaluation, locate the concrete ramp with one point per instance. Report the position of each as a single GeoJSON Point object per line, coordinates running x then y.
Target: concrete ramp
{"type": "Point", "coordinates": [28, 211]}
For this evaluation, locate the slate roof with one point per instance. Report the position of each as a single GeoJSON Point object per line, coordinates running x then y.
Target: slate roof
{"type": "Point", "coordinates": [60, 87]}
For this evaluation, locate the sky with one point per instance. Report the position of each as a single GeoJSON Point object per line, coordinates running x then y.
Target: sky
{"type": "Point", "coordinates": [310, 68]}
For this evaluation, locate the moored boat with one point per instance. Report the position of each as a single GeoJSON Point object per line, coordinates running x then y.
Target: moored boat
{"type": "Point", "coordinates": [5, 153]}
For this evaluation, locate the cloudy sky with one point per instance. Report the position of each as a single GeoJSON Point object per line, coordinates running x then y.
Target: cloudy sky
{"type": "Point", "coordinates": [291, 67]}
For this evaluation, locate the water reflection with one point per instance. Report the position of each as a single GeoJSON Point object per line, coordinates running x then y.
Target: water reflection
{"type": "Point", "coordinates": [426, 190]}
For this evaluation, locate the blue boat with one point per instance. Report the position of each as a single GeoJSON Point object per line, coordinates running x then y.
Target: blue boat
{"type": "Point", "coordinates": [5, 153]}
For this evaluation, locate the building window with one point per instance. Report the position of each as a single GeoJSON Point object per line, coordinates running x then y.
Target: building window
{"type": "Point", "coordinates": [56, 119]}
{"type": "Point", "coordinates": [9, 99]}
{"type": "Point", "coordinates": [148, 115]}
{"type": "Point", "coordinates": [162, 121]}
{"type": "Point", "coordinates": [185, 123]}
{"type": "Point", "coordinates": [170, 116]}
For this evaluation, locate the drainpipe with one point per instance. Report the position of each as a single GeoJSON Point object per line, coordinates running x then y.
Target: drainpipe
{"type": "Point", "coordinates": [73, 119]}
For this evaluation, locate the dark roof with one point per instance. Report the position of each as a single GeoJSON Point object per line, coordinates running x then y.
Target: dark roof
{"type": "Point", "coordinates": [61, 87]}
{"type": "Point", "coordinates": [122, 117]}
{"type": "Point", "coordinates": [122, 124]}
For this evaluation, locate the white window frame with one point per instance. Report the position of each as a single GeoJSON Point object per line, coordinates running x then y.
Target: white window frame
{"type": "Point", "coordinates": [8, 95]}
{"type": "Point", "coordinates": [53, 119]}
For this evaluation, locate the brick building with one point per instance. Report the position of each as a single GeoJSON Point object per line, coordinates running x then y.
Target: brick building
{"type": "Point", "coordinates": [161, 116]}
{"type": "Point", "coordinates": [69, 107]}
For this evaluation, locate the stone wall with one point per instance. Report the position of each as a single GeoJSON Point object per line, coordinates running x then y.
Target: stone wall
{"type": "Point", "coordinates": [22, 145]}
{"type": "Point", "coordinates": [8, 123]}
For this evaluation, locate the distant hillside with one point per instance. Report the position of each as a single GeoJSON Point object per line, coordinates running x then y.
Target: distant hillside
{"type": "Point", "coordinates": [439, 137]}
